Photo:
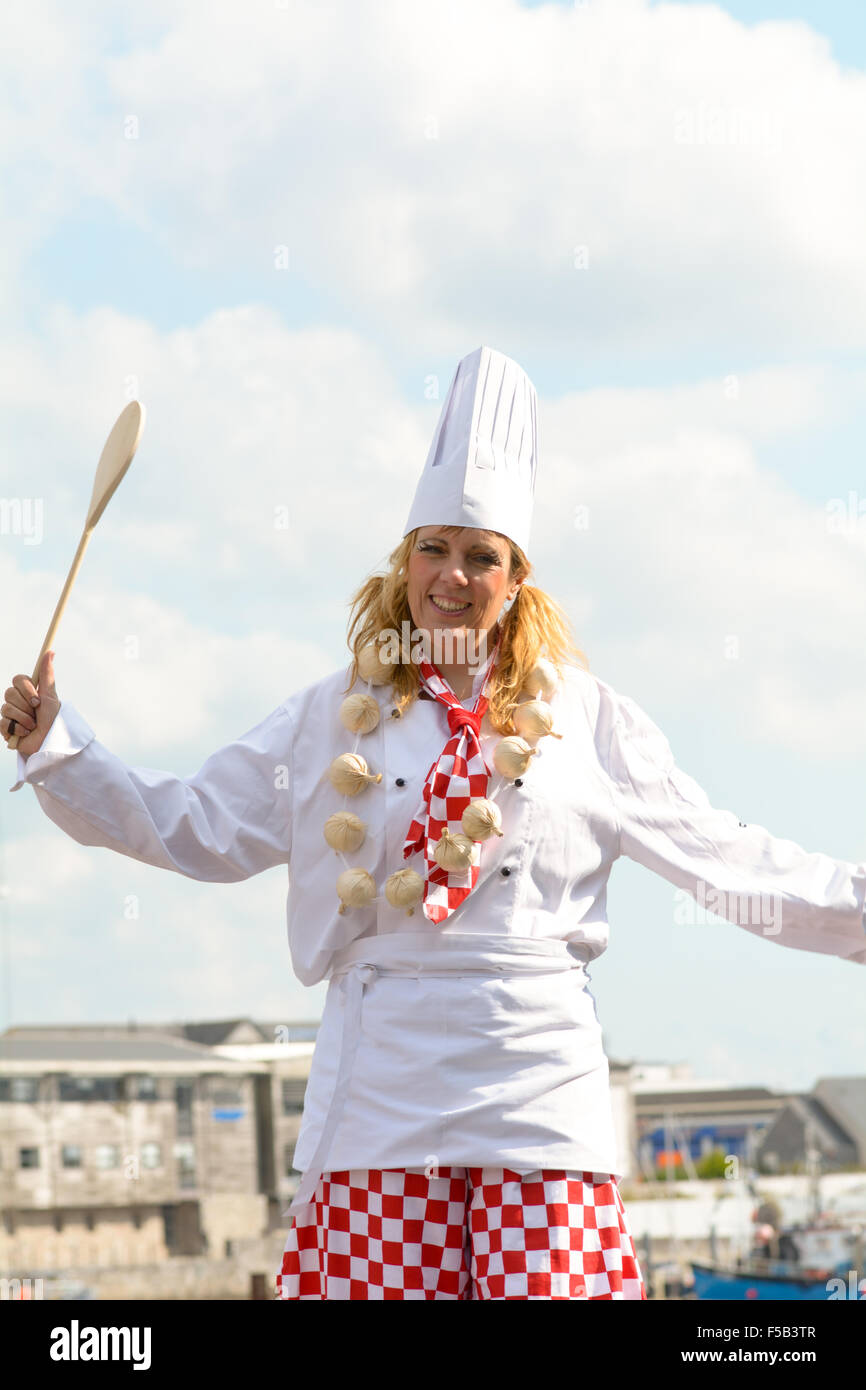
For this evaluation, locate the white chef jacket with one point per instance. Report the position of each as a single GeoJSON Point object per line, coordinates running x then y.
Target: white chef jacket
{"type": "Point", "coordinates": [473, 1042]}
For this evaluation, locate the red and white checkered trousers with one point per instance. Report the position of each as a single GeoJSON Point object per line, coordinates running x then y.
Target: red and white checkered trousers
{"type": "Point", "coordinates": [462, 1233]}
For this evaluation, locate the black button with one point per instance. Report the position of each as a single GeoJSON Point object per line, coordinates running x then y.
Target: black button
{"type": "Point", "coordinates": [518, 782]}
{"type": "Point", "coordinates": [395, 714]}
{"type": "Point", "coordinates": [506, 871]}
{"type": "Point", "coordinates": [400, 782]}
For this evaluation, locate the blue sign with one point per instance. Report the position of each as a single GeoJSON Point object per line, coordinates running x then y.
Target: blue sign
{"type": "Point", "coordinates": [227, 1114]}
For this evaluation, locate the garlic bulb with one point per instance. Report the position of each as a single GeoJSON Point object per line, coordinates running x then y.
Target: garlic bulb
{"type": "Point", "coordinates": [359, 713]}
{"type": "Point", "coordinates": [345, 832]}
{"type": "Point", "coordinates": [349, 774]}
{"type": "Point", "coordinates": [453, 851]}
{"type": "Point", "coordinates": [481, 819]}
{"type": "Point", "coordinates": [371, 666]}
{"type": "Point", "coordinates": [404, 888]}
{"type": "Point", "coordinates": [511, 756]}
{"type": "Point", "coordinates": [534, 719]}
{"type": "Point", "coordinates": [542, 679]}
{"type": "Point", "coordinates": [356, 888]}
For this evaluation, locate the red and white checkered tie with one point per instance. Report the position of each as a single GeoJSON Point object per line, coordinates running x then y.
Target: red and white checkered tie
{"type": "Point", "coordinates": [459, 775]}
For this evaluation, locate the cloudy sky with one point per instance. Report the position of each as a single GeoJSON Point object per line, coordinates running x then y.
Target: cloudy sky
{"type": "Point", "coordinates": [280, 225]}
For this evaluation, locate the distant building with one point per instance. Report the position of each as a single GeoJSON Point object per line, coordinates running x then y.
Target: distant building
{"type": "Point", "coordinates": [827, 1126]}
{"type": "Point", "coordinates": [680, 1119]}
{"type": "Point", "coordinates": [131, 1145]}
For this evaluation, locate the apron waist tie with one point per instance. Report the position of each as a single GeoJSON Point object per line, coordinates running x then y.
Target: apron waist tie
{"type": "Point", "coordinates": [356, 981]}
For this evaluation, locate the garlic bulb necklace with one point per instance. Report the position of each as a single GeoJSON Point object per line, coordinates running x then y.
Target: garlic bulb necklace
{"type": "Point", "coordinates": [350, 775]}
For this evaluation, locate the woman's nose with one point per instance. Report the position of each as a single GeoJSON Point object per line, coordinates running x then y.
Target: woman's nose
{"type": "Point", "coordinates": [453, 572]}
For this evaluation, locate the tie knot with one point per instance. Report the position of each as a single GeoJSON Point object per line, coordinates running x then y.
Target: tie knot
{"type": "Point", "coordinates": [458, 718]}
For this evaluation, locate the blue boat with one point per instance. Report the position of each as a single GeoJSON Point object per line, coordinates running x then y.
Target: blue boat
{"type": "Point", "coordinates": [746, 1283]}
{"type": "Point", "coordinates": [823, 1263]}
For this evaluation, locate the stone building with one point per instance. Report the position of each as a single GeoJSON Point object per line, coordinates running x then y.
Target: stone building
{"type": "Point", "coordinates": [132, 1145]}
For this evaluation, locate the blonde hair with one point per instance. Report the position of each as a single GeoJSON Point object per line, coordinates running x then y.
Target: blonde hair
{"type": "Point", "coordinates": [535, 626]}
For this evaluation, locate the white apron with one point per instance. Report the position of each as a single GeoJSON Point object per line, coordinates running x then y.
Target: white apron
{"type": "Point", "coordinates": [555, 998]}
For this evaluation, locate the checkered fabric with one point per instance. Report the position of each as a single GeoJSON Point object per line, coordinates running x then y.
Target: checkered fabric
{"type": "Point", "coordinates": [462, 1233]}
{"type": "Point", "coordinates": [455, 778]}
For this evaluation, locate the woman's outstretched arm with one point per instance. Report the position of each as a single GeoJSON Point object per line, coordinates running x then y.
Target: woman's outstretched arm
{"type": "Point", "coordinates": [230, 820]}
{"type": "Point", "coordinates": [769, 886]}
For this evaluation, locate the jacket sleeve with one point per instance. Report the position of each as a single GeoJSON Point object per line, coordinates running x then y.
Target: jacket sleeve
{"type": "Point", "coordinates": [769, 886]}
{"type": "Point", "coordinates": [229, 821]}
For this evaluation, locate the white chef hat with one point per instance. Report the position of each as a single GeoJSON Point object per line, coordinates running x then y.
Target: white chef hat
{"type": "Point", "coordinates": [480, 470]}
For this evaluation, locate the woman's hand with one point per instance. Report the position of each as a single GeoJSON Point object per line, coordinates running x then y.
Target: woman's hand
{"type": "Point", "coordinates": [32, 722]}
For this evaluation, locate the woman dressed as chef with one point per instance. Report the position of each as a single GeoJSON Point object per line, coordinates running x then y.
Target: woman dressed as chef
{"type": "Point", "coordinates": [449, 807]}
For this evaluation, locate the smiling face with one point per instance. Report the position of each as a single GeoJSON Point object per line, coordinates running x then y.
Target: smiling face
{"type": "Point", "coordinates": [458, 580]}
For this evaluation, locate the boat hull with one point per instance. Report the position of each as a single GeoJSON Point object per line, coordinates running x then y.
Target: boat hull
{"type": "Point", "coordinates": [712, 1281]}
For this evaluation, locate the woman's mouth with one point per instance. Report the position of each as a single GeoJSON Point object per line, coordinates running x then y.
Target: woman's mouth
{"type": "Point", "coordinates": [448, 606]}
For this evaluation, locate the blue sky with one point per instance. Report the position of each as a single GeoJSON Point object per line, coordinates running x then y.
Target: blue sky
{"type": "Point", "coordinates": [841, 22]}
{"type": "Point", "coordinates": [700, 384]}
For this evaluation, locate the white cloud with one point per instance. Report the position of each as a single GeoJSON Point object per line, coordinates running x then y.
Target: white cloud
{"type": "Point", "coordinates": [151, 683]}
{"type": "Point", "coordinates": [416, 166]}
{"type": "Point", "coordinates": [721, 584]}
{"type": "Point", "coordinates": [245, 419]}
{"type": "Point", "coordinates": [101, 926]}
{"type": "Point", "coordinates": [26, 887]}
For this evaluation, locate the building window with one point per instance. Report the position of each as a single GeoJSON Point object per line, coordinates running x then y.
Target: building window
{"type": "Point", "coordinates": [137, 1218]}
{"type": "Point", "coordinates": [71, 1156]}
{"type": "Point", "coordinates": [28, 1158]}
{"type": "Point", "coordinates": [90, 1088]}
{"type": "Point", "coordinates": [90, 1220]}
{"type": "Point", "coordinates": [226, 1093]}
{"type": "Point", "coordinates": [290, 1170]}
{"type": "Point", "coordinates": [58, 1221]}
{"type": "Point", "coordinates": [19, 1088]}
{"type": "Point", "coordinates": [169, 1220]}
{"type": "Point", "coordinates": [293, 1096]}
{"type": "Point", "coordinates": [183, 1095]}
{"type": "Point", "coordinates": [144, 1088]}
{"type": "Point", "coordinates": [106, 1156]}
{"type": "Point", "coordinates": [184, 1153]}
{"type": "Point", "coordinates": [151, 1156]}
